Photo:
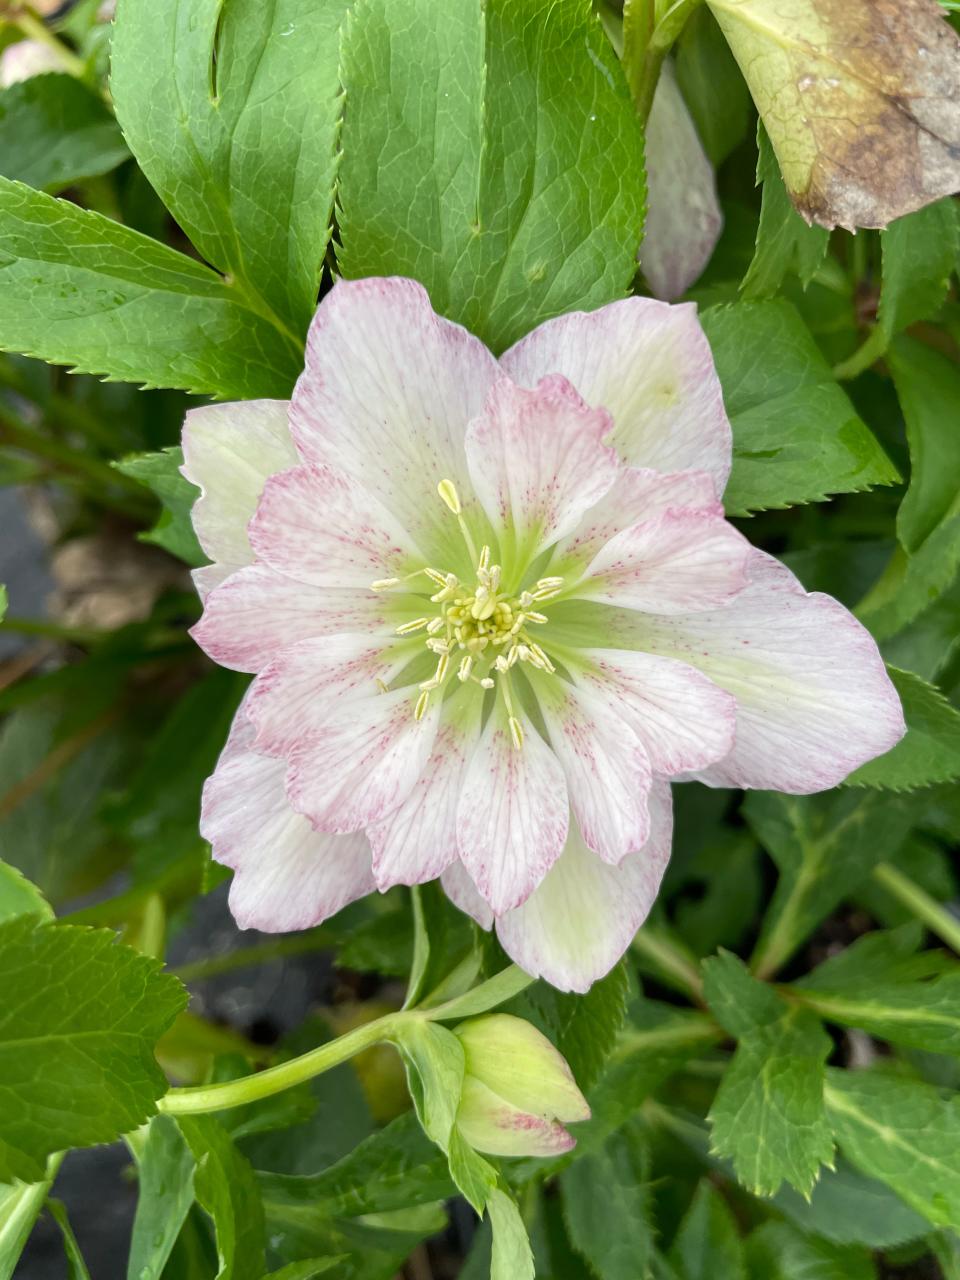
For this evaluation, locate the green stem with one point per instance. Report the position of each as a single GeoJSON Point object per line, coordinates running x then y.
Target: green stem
{"type": "Point", "coordinates": [34, 29]}
{"type": "Point", "coordinates": [249, 957]}
{"type": "Point", "coordinates": [672, 958]}
{"type": "Point", "coordinates": [934, 914]}
{"type": "Point", "coordinates": [691, 1029]}
{"type": "Point", "coordinates": [866, 355]}
{"type": "Point", "coordinates": [234, 1093]}
{"type": "Point", "coordinates": [54, 630]}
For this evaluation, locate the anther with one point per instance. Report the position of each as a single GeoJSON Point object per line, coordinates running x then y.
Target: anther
{"type": "Point", "coordinates": [408, 628]}
{"type": "Point", "coordinates": [466, 666]}
{"type": "Point", "coordinates": [486, 683]}
{"type": "Point", "coordinates": [516, 731]}
{"type": "Point", "coordinates": [448, 492]}
{"type": "Point", "coordinates": [484, 562]}
{"type": "Point", "coordinates": [435, 625]}
{"type": "Point", "coordinates": [384, 584]}
{"type": "Point", "coordinates": [421, 707]}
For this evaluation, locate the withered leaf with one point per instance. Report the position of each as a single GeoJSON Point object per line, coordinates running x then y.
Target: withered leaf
{"type": "Point", "coordinates": [861, 99]}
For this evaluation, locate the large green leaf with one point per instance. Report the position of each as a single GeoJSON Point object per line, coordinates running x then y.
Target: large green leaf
{"type": "Point", "coordinates": [849, 1208]}
{"type": "Point", "coordinates": [778, 1251]}
{"type": "Point", "coordinates": [919, 256]}
{"type": "Point", "coordinates": [920, 1015]}
{"type": "Point", "coordinates": [930, 751]}
{"type": "Point", "coordinates": [55, 131]}
{"type": "Point", "coordinates": [904, 1132]}
{"type": "Point", "coordinates": [19, 897]}
{"type": "Point", "coordinates": [232, 111]}
{"type": "Point", "coordinates": [78, 1023]}
{"type": "Point", "coordinates": [707, 1245]}
{"type": "Point", "coordinates": [607, 1206]}
{"type": "Point", "coordinates": [499, 162]}
{"type": "Point", "coordinates": [796, 436]}
{"type": "Point", "coordinates": [82, 290]}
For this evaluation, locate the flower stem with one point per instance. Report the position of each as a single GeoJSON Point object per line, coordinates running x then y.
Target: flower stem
{"type": "Point", "coordinates": [938, 918]}
{"type": "Point", "coordinates": [248, 957]}
{"type": "Point", "coordinates": [672, 958]}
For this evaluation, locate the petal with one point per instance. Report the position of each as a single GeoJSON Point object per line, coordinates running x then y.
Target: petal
{"type": "Point", "coordinates": [321, 527]}
{"type": "Point", "coordinates": [606, 767]}
{"type": "Point", "coordinates": [286, 875]}
{"type": "Point", "coordinates": [536, 461]}
{"type": "Point", "coordinates": [684, 720]}
{"type": "Point", "coordinates": [229, 450]}
{"type": "Point", "coordinates": [814, 701]}
{"type": "Point", "coordinates": [513, 814]}
{"type": "Point", "coordinates": [364, 762]}
{"type": "Point", "coordinates": [578, 923]}
{"type": "Point", "coordinates": [649, 365]}
{"type": "Point", "coordinates": [679, 562]}
{"type": "Point", "coordinates": [463, 893]}
{"type": "Point", "coordinates": [256, 613]}
{"type": "Point", "coordinates": [491, 1124]}
{"type": "Point", "coordinates": [419, 839]}
{"type": "Point", "coordinates": [310, 681]}
{"type": "Point", "coordinates": [387, 393]}
{"type": "Point", "coordinates": [684, 219]}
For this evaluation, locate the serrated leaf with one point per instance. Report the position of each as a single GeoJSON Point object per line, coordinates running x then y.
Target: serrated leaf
{"type": "Point", "coordinates": [707, 1245]}
{"type": "Point", "coordinates": [446, 176]}
{"type": "Point", "coordinates": [232, 112]}
{"type": "Point", "coordinates": [166, 1169]}
{"type": "Point", "coordinates": [607, 1206]}
{"type": "Point", "coordinates": [160, 473]}
{"type": "Point", "coordinates": [930, 751]}
{"type": "Point", "coordinates": [849, 1208]}
{"type": "Point", "coordinates": [777, 1251]}
{"type": "Point", "coordinates": [919, 1015]}
{"type": "Point", "coordinates": [78, 1023]}
{"type": "Point", "coordinates": [226, 1188]}
{"type": "Point", "coordinates": [54, 131]}
{"type": "Point", "coordinates": [18, 897]}
{"type": "Point", "coordinates": [785, 243]}
{"type": "Point", "coordinates": [82, 290]}
{"type": "Point", "coordinates": [796, 436]}
{"type": "Point", "coordinates": [904, 1132]}
{"type": "Point", "coordinates": [919, 257]}
{"type": "Point", "coordinates": [768, 1116]}
{"type": "Point", "coordinates": [886, 956]}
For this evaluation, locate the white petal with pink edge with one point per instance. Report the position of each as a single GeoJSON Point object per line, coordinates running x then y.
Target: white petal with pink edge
{"type": "Point", "coordinates": [419, 839]}
{"type": "Point", "coordinates": [463, 893]}
{"type": "Point", "coordinates": [678, 562]}
{"type": "Point", "coordinates": [321, 527]}
{"type": "Point", "coordinates": [814, 701]}
{"type": "Point", "coordinates": [536, 460]}
{"type": "Point", "coordinates": [364, 762]}
{"type": "Point", "coordinates": [606, 766]}
{"type": "Point", "coordinates": [513, 814]}
{"type": "Point", "coordinates": [577, 924]}
{"type": "Point", "coordinates": [386, 395]}
{"type": "Point", "coordinates": [286, 875]}
{"type": "Point", "coordinates": [684, 720]}
{"type": "Point", "coordinates": [650, 365]}
{"type": "Point", "coordinates": [229, 450]}
{"type": "Point", "coordinates": [257, 612]}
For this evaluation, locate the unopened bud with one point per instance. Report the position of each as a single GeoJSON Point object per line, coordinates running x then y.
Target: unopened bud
{"type": "Point", "coordinates": [518, 1091]}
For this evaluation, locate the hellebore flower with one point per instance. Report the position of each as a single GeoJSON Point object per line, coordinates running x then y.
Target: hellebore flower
{"type": "Point", "coordinates": [492, 607]}
{"type": "Point", "coordinates": [518, 1091]}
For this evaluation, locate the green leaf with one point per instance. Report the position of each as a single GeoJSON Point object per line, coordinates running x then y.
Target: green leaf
{"type": "Point", "coordinates": [499, 163]}
{"type": "Point", "coordinates": [796, 436]}
{"type": "Point", "coordinates": [824, 846]}
{"type": "Point", "coordinates": [435, 1065]}
{"type": "Point", "coordinates": [919, 256]}
{"type": "Point", "coordinates": [77, 1029]}
{"type": "Point", "coordinates": [785, 243]}
{"type": "Point", "coordinates": [903, 1132]}
{"type": "Point", "coordinates": [232, 112]}
{"type": "Point", "coordinates": [3, 601]}
{"type": "Point", "coordinates": [20, 1206]}
{"type": "Point", "coordinates": [166, 1173]}
{"type": "Point", "coordinates": [160, 473]}
{"type": "Point", "coordinates": [304, 1270]}
{"type": "Point", "coordinates": [607, 1206]}
{"type": "Point", "coordinates": [511, 1258]}
{"type": "Point", "coordinates": [84, 291]}
{"type": "Point", "coordinates": [54, 132]}
{"type": "Point", "coordinates": [883, 957]}
{"type": "Point", "coordinates": [849, 1208]}
{"type": "Point", "coordinates": [920, 1015]}
{"type": "Point", "coordinates": [475, 1177]}
{"type": "Point", "coordinates": [930, 751]}
{"type": "Point", "coordinates": [75, 1263]}
{"type": "Point", "coordinates": [712, 85]}
{"type": "Point", "coordinates": [18, 897]}
{"type": "Point", "coordinates": [777, 1251]}
{"type": "Point", "coordinates": [226, 1188]}
{"type": "Point", "coordinates": [768, 1115]}
{"type": "Point", "coordinates": [707, 1245]}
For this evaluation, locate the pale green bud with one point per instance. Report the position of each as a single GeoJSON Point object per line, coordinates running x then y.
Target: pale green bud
{"type": "Point", "coordinates": [517, 1091]}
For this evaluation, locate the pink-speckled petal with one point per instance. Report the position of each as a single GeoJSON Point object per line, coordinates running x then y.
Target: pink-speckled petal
{"type": "Point", "coordinates": [464, 894]}
{"type": "Point", "coordinates": [649, 365]}
{"type": "Point", "coordinates": [229, 451]}
{"type": "Point", "coordinates": [606, 766]}
{"type": "Point", "coordinates": [386, 395]}
{"type": "Point", "coordinates": [537, 462]}
{"type": "Point", "coordinates": [364, 762]}
{"type": "Point", "coordinates": [580, 920]}
{"type": "Point", "coordinates": [321, 527]}
{"type": "Point", "coordinates": [684, 720]}
{"type": "Point", "coordinates": [678, 562]}
{"type": "Point", "coordinates": [814, 701]}
{"type": "Point", "coordinates": [254, 614]}
{"type": "Point", "coordinates": [419, 839]}
{"type": "Point", "coordinates": [286, 875]}
{"type": "Point", "coordinates": [684, 218]}
{"type": "Point", "coordinates": [491, 1124]}
{"type": "Point", "coordinates": [513, 814]}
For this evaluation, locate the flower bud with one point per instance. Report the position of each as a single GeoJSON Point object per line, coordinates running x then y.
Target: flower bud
{"type": "Point", "coordinates": [517, 1089]}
